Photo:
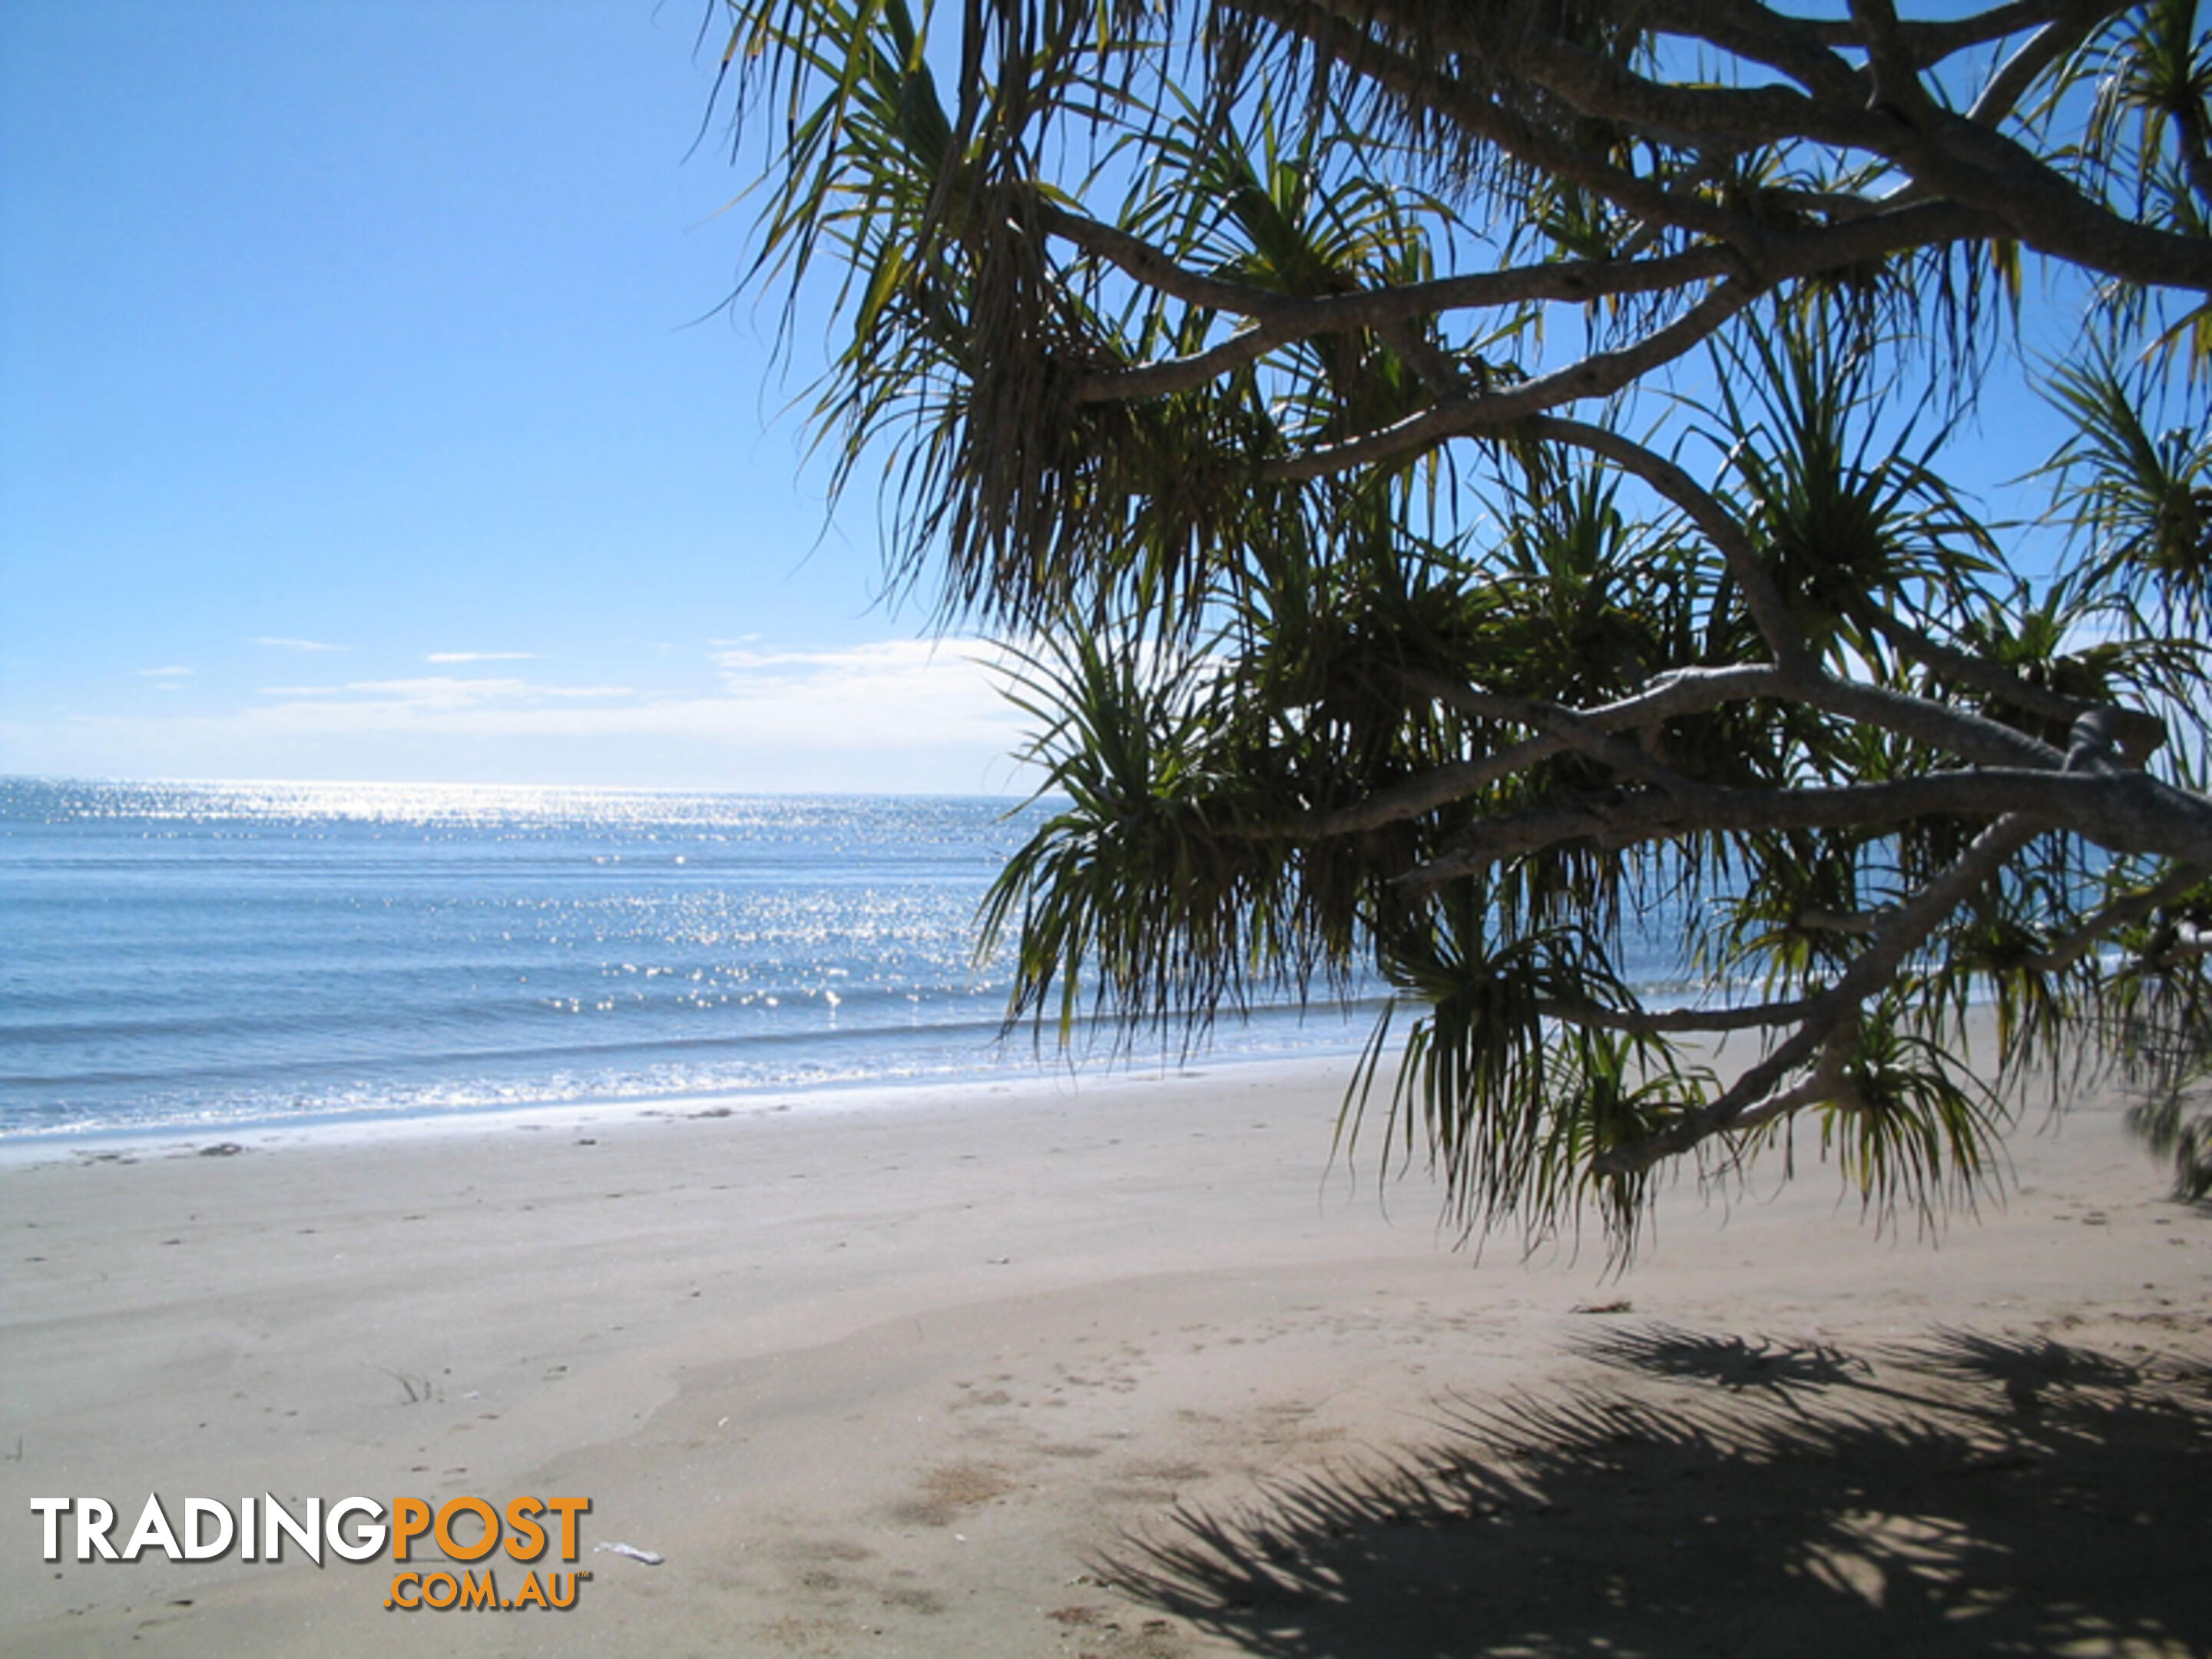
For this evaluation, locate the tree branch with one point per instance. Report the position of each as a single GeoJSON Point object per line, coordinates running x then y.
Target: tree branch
{"type": "Point", "coordinates": [1572, 730]}
{"type": "Point", "coordinates": [1157, 269]}
{"type": "Point", "coordinates": [1486, 121]}
{"type": "Point", "coordinates": [1902, 932]}
{"type": "Point", "coordinates": [1970, 164]}
{"type": "Point", "coordinates": [1959, 732]}
{"type": "Point", "coordinates": [2118, 915]}
{"type": "Point", "coordinates": [1932, 42]}
{"type": "Point", "coordinates": [1743, 116]}
{"type": "Point", "coordinates": [1950, 155]}
{"type": "Point", "coordinates": [1688, 691]}
{"type": "Point", "coordinates": [2122, 809]}
{"type": "Point", "coordinates": [1597, 376]}
{"type": "Point", "coordinates": [2048, 45]}
{"type": "Point", "coordinates": [1282, 319]}
{"type": "Point", "coordinates": [1685, 692]}
{"type": "Point", "coordinates": [1644, 1021]}
{"type": "Point", "coordinates": [1894, 70]}
{"type": "Point", "coordinates": [1770, 610]}
{"type": "Point", "coordinates": [1992, 679]}
{"type": "Point", "coordinates": [1756, 34]}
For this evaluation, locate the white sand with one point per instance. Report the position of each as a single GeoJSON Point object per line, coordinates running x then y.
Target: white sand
{"type": "Point", "coordinates": [973, 1372]}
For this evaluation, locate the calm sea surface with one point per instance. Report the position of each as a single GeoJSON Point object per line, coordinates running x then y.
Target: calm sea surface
{"type": "Point", "coordinates": [202, 955]}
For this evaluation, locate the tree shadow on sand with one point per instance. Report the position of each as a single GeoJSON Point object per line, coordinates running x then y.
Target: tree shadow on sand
{"type": "Point", "coordinates": [1965, 1494]}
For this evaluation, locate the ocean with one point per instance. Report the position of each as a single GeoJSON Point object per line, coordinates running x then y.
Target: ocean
{"type": "Point", "coordinates": [197, 958]}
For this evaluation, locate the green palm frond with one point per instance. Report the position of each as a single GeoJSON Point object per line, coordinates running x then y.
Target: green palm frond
{"type": "Point", "coordinates": [1853, 519]}
{"type": "Point", "coordinates": [1908, 1126]}
{"type": "Point", "coordinates": [2139, 500]}
{"type": "Point", "coordinates": [1509, 1108]}
{"type": "Point", "coordinates": [1136, 900]}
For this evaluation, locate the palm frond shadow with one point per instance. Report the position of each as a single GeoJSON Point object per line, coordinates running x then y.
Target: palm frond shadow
{"type": "Point", "coordinates": [1966, 1494]}
{"type": "Point", "coordinates": [1732, 1363]}
{"type": "Point", "coordinates": [2025, 1370]}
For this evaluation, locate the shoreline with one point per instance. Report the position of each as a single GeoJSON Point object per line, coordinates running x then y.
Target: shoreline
{"type": "Point", "coordinates": [366, 1126]}
{"type": "Point", "coordinates": [1003, 1373]}
{"type": "Point", "coordinates": [1033, 1074]}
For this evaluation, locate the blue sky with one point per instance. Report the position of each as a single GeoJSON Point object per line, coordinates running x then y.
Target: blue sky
{"type": "Point", "coordinates": [364, 416]}
{"type": "Point", "coordinates": [366, 412]}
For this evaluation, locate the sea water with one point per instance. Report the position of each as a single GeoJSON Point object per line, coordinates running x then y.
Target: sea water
{"type": "Point", "coordinates": [191, 956]}
{"type": "Point", "coordinates": [194, 956]}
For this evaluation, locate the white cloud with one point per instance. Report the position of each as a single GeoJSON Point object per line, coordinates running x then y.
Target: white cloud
{"type": "Point", "coordinates": [447, 691]}
{"type": "Point", "coordinates": [889, 714]}
{"type": "Point", "coordinates": [437, 691]}
{"type": "Point", "coordinates": [482, 656]}
{"type": "Point", "coordinates": [299, 645]}
{"type": "Point", "coordinates": [902, 680]}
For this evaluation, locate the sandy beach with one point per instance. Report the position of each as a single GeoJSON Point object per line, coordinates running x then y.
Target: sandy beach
{"type": "Point", "coordinates": [1123, 1368]}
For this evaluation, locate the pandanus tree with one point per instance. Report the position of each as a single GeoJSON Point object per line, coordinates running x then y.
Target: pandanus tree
{"type": "Point", "coordinates": [1462, 475]}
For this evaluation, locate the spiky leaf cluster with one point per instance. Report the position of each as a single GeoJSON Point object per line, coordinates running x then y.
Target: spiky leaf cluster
{"type": "Point", "coordinates": [1459, 478]}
